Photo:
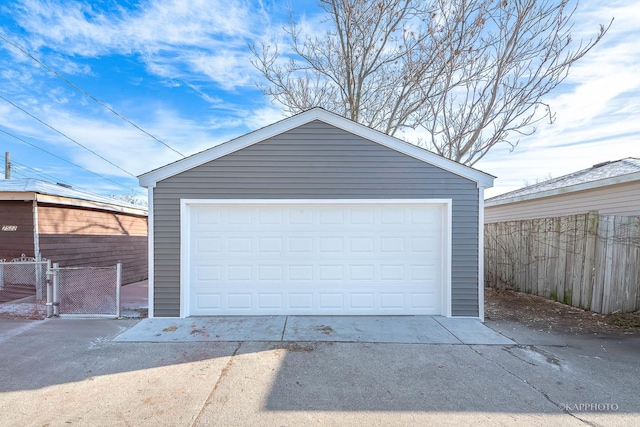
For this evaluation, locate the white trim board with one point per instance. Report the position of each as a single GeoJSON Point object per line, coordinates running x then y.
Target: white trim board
{"type": "Point", "coordinates": [150, 248]}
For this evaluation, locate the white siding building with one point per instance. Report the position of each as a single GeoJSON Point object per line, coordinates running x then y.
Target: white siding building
{"type": "Point", "coordinates": [611, 188]}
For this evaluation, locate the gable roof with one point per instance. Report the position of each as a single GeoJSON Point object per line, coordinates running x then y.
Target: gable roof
{"type": "Point", "coordinates": [150, 179]}
{"type": "Point", "coordinates": [47, 192]}
{"type": "Point", "coordinates": [599, 175]}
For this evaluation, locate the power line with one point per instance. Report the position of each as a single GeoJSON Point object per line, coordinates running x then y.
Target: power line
{"type": "Point", "coordinates": [71, 163]}
{"type": "Point", "coordinates": [66, 136]}
{"type": "Point", "coordinates": [41, 174]}
{"type": "Point", "coordinates": [24, 169]}
{"type": "Point", "coordinates": [87, 94]}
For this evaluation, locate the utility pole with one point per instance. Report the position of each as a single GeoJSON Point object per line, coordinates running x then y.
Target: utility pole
{"type": "Point", "coordinates": [7, 165]}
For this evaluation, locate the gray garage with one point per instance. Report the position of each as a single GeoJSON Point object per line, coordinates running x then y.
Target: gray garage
{"type": "Point", "coordinates": [315, 215]}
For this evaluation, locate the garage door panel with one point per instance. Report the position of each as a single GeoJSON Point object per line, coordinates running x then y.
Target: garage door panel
{"type": "Point", "coordinates": [361, 258]}
{"type": "Point", "coordinates": [208, 302]}
{"type": "Point", "coordinates": [269, 301]}
{"type": "Point", "coordinates": [423, 300]}
{"type": "Point", "coordinates": [300, 301]}
{"type": "Point", "coordinates": [362, 300]}
{"type": "Point", "coordinates": [208, 244]}
{"type": "Point", "coordinates": [331, 301]}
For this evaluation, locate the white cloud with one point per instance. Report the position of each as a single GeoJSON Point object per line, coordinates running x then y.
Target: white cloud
{"type": "Point", "coordinates": [175, 37]}
{"type": "Point", "coordinates": [262, 117]}
{"type": "Point", "coordinates": [111, 138]}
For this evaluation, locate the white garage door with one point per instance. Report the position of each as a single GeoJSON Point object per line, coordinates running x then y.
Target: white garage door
{"type": "Point", "coordinates": [313, 258]}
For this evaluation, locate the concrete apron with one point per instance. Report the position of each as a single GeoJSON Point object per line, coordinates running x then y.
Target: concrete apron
{"type": "Point", "coordinates": [372, 329]}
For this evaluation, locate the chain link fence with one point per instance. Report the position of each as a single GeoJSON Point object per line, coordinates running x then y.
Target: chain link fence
{"type": "Point", "coordinates": [87, 290]}
{"type": "Point", "coordinates": [84, 291]}
{"type": "Point", "coordinates": [23, 278]}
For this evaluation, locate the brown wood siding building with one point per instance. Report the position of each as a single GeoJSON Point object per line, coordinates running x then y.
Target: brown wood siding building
{"type": "Point", "coordinates": [97, 238]}
{"type": "Point", "coordinates": [16, 229]}
{"type": "Point", "coordinates": [70, 231]}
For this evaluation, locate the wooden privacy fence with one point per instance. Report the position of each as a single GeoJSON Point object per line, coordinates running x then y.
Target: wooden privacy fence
{"type": "Point", "coordinates": [589, 261]}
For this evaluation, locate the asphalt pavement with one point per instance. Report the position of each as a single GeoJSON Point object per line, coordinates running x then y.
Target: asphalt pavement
{"type": "Point", "coordinates": [71, 372]}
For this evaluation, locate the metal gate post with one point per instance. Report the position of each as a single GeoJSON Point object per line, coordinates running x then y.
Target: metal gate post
{"type": "Point", "coordinates": [56, 290]}
{"type": "Point", "coordinates": [39, 282]}
{"type": "Point", "coordinates": [118, 285]}
{"type": "Point", "coordinates": [49, 289]}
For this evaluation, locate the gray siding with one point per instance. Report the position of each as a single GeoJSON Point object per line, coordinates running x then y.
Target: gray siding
{"type": "Point", "coordinates": [316, 161]}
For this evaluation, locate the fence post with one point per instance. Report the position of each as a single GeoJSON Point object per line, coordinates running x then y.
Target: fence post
{"type": "Point", "coordinates": [56, 289]}
{"type": "Point", "coordinates": [118, 285]}
{"type": "Point", "coordinates": [49, 289]}
{"type": "Point", "coordinates": [1, 274]}
{"type": "Point", "coordinates": [39, 282]}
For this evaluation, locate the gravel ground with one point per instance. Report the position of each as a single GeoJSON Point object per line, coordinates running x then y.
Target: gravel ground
{"type": "Point", "coordinates": [551, 316]}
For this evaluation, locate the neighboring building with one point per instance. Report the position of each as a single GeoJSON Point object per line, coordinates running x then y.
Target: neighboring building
{"type": "Point", "coordinates": [611, 188]}
{"type": "Point", "coordinates": [71, 227]}
{"type": "Point", "coordinates": [316, 214]}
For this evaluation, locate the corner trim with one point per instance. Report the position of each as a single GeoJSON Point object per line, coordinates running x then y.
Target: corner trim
{"type": "Point", "coordinates": [481, 254]}
{"type": "Point", "coordinates": [151, 253]}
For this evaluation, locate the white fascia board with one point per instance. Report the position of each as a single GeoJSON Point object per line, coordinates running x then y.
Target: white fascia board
{"type": "Point", "coordinates": [59, 200]}
{"type": "Point", "coordinates": [45, 198]}
{"type": "Point", "coordinates": [151, 178]}
{"type": "Point", "coordinates": [622, 179]}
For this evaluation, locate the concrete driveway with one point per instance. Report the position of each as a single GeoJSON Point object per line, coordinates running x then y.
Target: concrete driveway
{"type": "Point", "coordinates": [71, 372]}
{"type": "Point", "coordinates": [373, 329]}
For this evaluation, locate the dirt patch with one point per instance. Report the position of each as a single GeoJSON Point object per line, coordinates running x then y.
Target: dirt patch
{"type": "Point", "coordinates": [551, 316]}
{"type": "Point", "coordinates": [200, 332]}
{"type": "Point", "coordinates": [137, 313]}
{"type": "Point", "coordinates": [25, 311]}
{"type": "Point", "coordinates": [298, 347]}
{"type": "Point", "coordinates": [625, 320]}
{"type": "Point", "coordinates": [327, 330]}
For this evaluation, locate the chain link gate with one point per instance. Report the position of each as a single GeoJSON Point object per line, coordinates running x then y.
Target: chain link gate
{"type": "Point", "coordinates": [86, 291]}
{"type": "Point", "coordinates": [24, 278]}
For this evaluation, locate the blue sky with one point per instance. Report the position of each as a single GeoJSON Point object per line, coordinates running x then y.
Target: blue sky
{"type": "Point", "coordinates": [180, 70]}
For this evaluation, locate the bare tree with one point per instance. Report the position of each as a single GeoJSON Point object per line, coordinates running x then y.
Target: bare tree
{"type": "Point", "coordinates": [130, 198]}
{"type": "Point", "coordinates": [469, 73]}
